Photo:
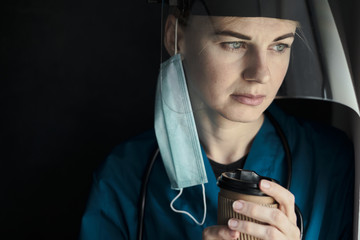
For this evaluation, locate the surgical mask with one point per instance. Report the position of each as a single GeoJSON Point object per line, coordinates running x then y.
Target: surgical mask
{"type": "Point", "coordinates": [176, 132]}
{"type": "Point", "coordinates": [175, 128]}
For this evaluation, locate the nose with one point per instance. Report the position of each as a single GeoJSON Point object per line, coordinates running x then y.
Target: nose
{"type": "Point", "coordinates": [257, 68]}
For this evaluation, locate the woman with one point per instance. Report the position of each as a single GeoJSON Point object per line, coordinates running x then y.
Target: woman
{"type": "Point", "coordinates": [234, 67]}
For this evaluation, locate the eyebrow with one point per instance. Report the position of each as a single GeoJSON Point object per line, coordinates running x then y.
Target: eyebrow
{"type": "Point", "coordinates": [288, 35]}
{"type": "Point", "coordinates": [232, 34]}
{"type": "Point", "coordinates": [242, 36]}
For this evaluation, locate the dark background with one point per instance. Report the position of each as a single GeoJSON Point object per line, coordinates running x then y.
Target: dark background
{"type": "Point", "coordinates": [76, 78]}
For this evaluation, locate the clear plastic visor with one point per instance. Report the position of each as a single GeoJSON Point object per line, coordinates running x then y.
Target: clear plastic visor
{"type": "Point", "coordinates": [294, 52]}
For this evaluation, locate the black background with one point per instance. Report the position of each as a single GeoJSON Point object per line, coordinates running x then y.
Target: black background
{"type": "Point", "coordinates": [76, 78]}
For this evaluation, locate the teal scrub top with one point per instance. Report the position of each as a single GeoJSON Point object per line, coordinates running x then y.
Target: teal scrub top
{"type": "Point", "coordinates": [322, 182]}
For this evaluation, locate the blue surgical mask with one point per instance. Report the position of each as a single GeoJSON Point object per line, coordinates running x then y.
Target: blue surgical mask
{"type": "Point", "coordinates": [175, 128]}
{"type": "Point", "coordinates": [176, 133]}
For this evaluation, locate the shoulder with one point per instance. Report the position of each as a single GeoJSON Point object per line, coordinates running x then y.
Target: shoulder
{"type": "Point", "coordinates": [129, 157]}
{"type": "Point", "coordinates": [114, 196]}
{"type": "Point", "coordinates": [320, 139]}
{"type": "Point", "coordinates": [138, 145]}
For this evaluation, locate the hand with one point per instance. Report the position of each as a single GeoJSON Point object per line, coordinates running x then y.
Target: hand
{"type": "Point", "coordinates": [220, 232]}
{"type": "Point", "coordinates": [281, 222]}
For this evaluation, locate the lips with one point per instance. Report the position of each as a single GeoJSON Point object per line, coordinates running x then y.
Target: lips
{"type": "Point", "coordinates": [248, 99]}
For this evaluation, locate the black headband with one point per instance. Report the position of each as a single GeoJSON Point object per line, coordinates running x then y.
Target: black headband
{"type": "Point", "coordinates": [282, 9]}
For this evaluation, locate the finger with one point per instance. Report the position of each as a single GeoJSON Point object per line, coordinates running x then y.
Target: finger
{"type": "Point", "coordinates": [281, 195]}
{"type": "Point", "coordinates": [219, 232]}
{"type": "Point", "coordinates": [256, 230]}
{"type": "Point", "coordinates": [271, 216]}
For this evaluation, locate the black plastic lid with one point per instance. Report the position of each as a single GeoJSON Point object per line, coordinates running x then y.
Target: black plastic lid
{"type": "Point", "coordinates": [242, 181]}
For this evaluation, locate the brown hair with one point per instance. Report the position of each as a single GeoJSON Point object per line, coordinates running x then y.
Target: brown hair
{"type": "Point", "coordinates": [181, 15]}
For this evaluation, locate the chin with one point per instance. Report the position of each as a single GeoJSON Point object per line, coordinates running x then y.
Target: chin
{"type": "Point", "coordinates": [239, 112]}
{"type": "Point", "coordinates": [245, 116]}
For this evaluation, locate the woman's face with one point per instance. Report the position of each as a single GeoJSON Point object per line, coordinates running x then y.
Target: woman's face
{"type": "Point", "coordinates": [235, 66]}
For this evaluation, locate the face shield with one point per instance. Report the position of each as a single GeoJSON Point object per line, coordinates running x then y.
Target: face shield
{"type": "Point", "coordinates": [232, 58]}
{"type": "Point", "coordinates": [225, 44]}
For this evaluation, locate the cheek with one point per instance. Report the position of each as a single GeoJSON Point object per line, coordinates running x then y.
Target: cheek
{"type": "Point", "coordinates": [200, 70]}
{"type": "Point", "coordinates": [280, 75]}
{"type": "Point", "coordinates": [278, 72]}
{"type": "Point", "coordinates": [200, 78]}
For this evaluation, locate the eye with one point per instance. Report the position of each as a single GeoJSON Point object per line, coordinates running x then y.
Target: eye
{"type": "Point", "coordinates": [233, 46]}
{"type": "Point", "coordinates": [236, 45]}
{"type": "Point", "coordinates": [280, 47]}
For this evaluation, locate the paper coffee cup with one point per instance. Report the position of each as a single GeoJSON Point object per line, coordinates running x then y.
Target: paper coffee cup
{"type": "Point", "coordinates": [241, 185]}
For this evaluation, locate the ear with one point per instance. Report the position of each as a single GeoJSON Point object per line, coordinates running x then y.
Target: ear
{"type": "Point", "coordinates": [169, 36]}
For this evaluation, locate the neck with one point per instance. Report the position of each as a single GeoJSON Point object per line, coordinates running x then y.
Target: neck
{"type": "Point", "coordinates": [225, 141]}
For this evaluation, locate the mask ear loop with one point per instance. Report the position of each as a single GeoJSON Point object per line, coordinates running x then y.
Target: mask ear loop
{"type": "Point", "coordinates": [181, 189]}
{"type": "Point", "coordinates": [187, 213]}
{"type": "Point", "coordinates": [176, 29]}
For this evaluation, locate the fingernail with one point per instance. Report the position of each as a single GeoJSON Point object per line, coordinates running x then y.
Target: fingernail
{"type": "Point", "coordinates": [233, 223]}
{"type": "Point", "coordinates": [265, 184]}
{"type": "Point", "coordinates": [238, 205]}
{"type": "Point", "coordinates": [233, 234]}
